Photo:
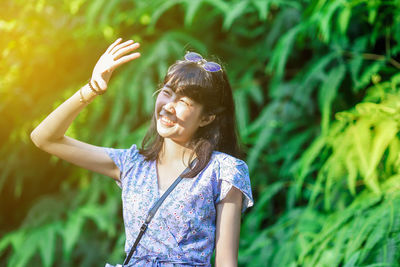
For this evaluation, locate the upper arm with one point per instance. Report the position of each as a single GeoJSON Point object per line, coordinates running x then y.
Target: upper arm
{"type": "Point", "coordinates": [228, 228]}
{"type": "Point", "coordinates": [82, 154]}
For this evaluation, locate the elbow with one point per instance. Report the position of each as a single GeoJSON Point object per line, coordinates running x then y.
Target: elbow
{"type": "Point", "coordinates": [42, 141]}
{"type": "Point", "coordinates": [37, 140]}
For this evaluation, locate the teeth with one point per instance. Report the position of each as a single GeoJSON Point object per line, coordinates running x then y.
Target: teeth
{"type": "Point", "coordinates": [166, 119]}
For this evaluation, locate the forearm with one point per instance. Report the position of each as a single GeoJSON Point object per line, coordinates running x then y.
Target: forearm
{"type": "Point", "coordinates": [228, 261]}
{"type": "Point", "coordinates": [54, 126]}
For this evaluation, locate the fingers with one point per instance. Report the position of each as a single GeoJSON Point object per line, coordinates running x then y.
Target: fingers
{"type": "Point", "coordinates": [125, 50]}
{"type": "Point", "coordinates": [116, 48]}
{"type": "Point", "coordinates": [113, 45]}
{"type": "Point", "coordinates": [125, 59]}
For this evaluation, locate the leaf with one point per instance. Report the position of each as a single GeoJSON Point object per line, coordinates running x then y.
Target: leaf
{"type": "Point", "coordinates": [326, 18]}
{"type": "Point", "coordinates": [26, 250]}
{"type": "Point", "coordinates": [365, 77]}
{"type": "Point", "coordinates": [71, 232]}
{"type": "Point", "coordinates": [337, 220]}
{"type": "Point", "coordinates": [352, 261]}
{"type": "Point", "coordinates": [92, 12]}
{"type": "Point", "coordinates": [293, 149]}
{"type": "Point", "coordinates": [385, 131]}
{"type": "Point", "coordinates": [254, 219]}
{"type": "Point", "coordinates": [377, 234]}
{"type": "Point", "coordinates": [281, 51]}
{"type": "Point", "coordinates": [362, 139]}
{"type": "Point", "coordinates": [162, 7]}
{"type": "Point", "coordinates": [307, 159]}
{"type": "Point", "coordinates": [97, 214]}
{"type": "Point", "coordinates": [363, 225]}
{"type": "Point", "coordinates": [242, 114]}
{"type": "Point", "coordinates": [315, 73]}
{"type": "Point", "coordinates": [235, 10]}
{"type": "Point", "coordinates": [106, 11]}
{"type": "Point", "coordinates": [352, 172]}
{"type": "Point", "coordinates": [260, 121]}
{"type": "Point", "coordinates": [191, 8]}
{"type": "Point", "coordinates": [328, 93]}
{"type": "Point", "coordinates": [344, 18]}
{"type": "Point", "coordinates": [262, 7]}
{"type": "Point", "coordinates": [263, 138]}
{"type": "Point", "coordinates": [17, 238]}
{"type": "Point", "coordinates": [372, 14]}
{"type": "Point", "coordinates": [220, 5]}
{"type": "Point", "coordinates": [5, 240]}
{"type": "Point", "coordinates": [47, 243]}
{"type": "Point", "coordinates": [117, 111]}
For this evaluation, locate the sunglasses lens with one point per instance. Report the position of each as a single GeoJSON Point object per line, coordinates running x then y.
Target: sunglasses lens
{"type": "Point", "coordinates": [212, 66]}
{"type": "Point", "coordinates": [194, 57]}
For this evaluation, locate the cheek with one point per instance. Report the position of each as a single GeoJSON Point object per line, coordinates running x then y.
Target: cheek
{"type": "Point", "coordinates": [189, 117]}
{"type": "Point", "coordinates": [184, 113]}
{"type": "Point", "coordinates": [160, 102]}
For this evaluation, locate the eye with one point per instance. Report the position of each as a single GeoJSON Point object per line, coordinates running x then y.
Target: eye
{"type": "Point", "coordinates": [166, 91]}
{"type": "Point", "coordinates": [186, 101]}
{"type": "Point", "coordinates": [183, 101]}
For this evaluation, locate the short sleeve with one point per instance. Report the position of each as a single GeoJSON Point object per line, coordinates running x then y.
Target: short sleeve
{"type": "Point", "coordinates": [234, 172]}
{"type": "Point", "coordinates": [123, 158]}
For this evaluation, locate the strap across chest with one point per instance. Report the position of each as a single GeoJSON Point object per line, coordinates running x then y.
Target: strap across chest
{"type": "Point", "coordinates": [154, 209]}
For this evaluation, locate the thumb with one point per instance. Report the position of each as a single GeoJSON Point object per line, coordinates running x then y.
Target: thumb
{"type": "Point", "coordinates": [102, 84]}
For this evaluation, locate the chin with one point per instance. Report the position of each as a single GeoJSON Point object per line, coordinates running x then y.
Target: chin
{"type": "Point", "coordinates": [160, 130]}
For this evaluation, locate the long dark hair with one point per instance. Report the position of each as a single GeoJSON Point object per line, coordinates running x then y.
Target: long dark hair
{"type": "Point", "coordinates": [213, 91]}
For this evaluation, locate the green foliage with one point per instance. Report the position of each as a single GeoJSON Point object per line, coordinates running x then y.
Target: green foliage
{"type": "Point", "coordinates": [316, 92]}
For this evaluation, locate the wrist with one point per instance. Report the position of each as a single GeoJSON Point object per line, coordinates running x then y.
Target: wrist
{"type": "Point", "coordinates": [86, 94]}
{"type": "Point", "coordinates": [95, 88]}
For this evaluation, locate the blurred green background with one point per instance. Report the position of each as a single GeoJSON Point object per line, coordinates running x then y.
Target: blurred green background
{"type": "Point", "coordinates": [318, 108]}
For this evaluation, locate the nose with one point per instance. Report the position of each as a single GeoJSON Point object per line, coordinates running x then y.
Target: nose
{"type": "Point", "coordinates": [170, 107]}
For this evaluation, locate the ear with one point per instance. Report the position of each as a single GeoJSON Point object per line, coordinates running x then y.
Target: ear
{"type": "Point", "coordinates": [207, 119]}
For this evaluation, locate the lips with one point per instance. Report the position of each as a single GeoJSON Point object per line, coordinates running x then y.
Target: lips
{"type": "Point", "coordinates": [166, 120]}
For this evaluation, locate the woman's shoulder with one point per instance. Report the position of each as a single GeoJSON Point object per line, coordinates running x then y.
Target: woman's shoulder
{"type": "Point", "coordinates": [232, 171]}
{"type": "Point", "coordinates": [124, 156]}
{"type": "Point", "coordinates": [133, 152]}
{"type": "Point", "coordinates": [226, 160]}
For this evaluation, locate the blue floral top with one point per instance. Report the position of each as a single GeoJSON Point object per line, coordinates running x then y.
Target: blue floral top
{"type": "Point", "coordinates": [182, 232]}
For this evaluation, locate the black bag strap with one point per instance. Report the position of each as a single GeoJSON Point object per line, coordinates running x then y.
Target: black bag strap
{"type": "Point", "coordinates": [154, 209]}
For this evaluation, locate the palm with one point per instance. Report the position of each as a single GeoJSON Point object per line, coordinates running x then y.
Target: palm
{"type": "Point", "coordinates": [114, 57]}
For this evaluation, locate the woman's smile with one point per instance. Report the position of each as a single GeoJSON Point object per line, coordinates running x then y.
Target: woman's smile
{"type": "Point", "coordinates": [178, 116]}
{"type": "Point", "coordinates": [167, 122]}
{"type": "Point", "coordinates": [167, 118]}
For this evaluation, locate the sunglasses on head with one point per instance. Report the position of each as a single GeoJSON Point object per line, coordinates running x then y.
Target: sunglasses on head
{"type": "Point", "coordinates": [207, 65]}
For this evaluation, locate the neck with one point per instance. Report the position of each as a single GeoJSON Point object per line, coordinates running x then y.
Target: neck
{"type": "Point", "coordinates": [172, 152]}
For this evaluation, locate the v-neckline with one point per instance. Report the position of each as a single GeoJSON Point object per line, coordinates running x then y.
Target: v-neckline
{"type": "Point", "coordinates": [157, 183]}
{"type": "Point", "coordinates": [157, 177]}
{"type": "Point", "coordinates": [158, 180]}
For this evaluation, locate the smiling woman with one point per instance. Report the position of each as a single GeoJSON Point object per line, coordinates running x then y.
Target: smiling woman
{"type": "Point", "coordinates": [200, 103]}
{"type": "Point", "coordinates": [181, 111]}
{"type": "Point", "coordinates": [193, 118]}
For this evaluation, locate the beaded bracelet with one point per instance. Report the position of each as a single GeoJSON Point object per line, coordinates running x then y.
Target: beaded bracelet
{"type": "Point", "coordinates": [82, 99]}
{"type": "Point", "coordinates": [97, 92]}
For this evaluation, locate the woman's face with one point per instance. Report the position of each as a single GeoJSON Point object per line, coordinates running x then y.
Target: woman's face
{"type": "Point", "coordinates": [178, 117]}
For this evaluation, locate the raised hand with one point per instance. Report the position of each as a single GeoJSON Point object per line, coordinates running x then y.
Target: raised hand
{"type": "Point", "coordinates": [115, 55]}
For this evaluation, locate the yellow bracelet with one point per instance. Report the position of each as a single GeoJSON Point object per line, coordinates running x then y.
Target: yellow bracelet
{"type": "Point", "coordinates": [82, 99]}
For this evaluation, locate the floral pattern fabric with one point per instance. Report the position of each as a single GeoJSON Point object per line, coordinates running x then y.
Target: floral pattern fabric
{"type": "Point", "coordinates": [182, 232]}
